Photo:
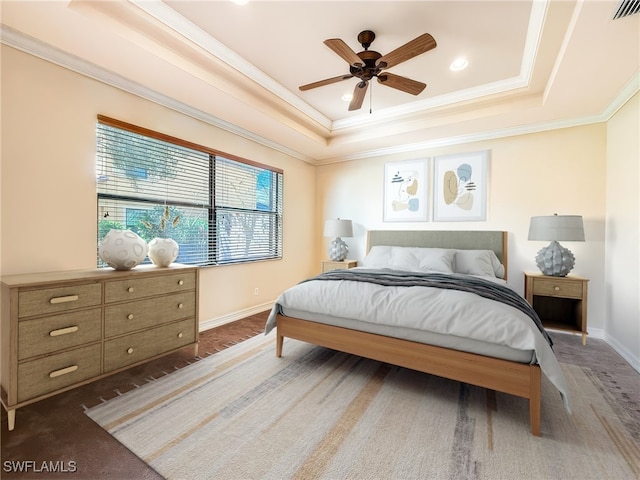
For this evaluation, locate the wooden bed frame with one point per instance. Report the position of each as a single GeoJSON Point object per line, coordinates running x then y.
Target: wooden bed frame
{"type": "Point", "coordinates": [523, 380]}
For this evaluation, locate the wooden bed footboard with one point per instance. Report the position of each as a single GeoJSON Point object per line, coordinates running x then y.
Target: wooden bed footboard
{"type": "Point", "coordinates": [522, 380]}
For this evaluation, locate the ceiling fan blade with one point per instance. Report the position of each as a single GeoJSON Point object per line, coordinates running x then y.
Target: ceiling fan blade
{"type": "Point", "coordinates": [401, 83]}
{"type": "Point", "coordinates": [322, 83]}
{"type": "Point", "coordinates": [415, 47]}
{"type": "Point", "coordinates": [342, 49]}
{"type": "Point", "coordinates": [358, 95]}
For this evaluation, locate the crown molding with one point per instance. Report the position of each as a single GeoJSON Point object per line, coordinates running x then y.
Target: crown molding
{"type": "Point", "coordinates": [188, 30]}
{"type": "Point", "coordinates": [630, 89]}
{"type": "Point", "coordinates": [35, 47]}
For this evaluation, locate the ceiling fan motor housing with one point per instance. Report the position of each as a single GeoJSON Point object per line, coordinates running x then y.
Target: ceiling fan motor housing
{"type": "Point", "coordinates": [370, 69]}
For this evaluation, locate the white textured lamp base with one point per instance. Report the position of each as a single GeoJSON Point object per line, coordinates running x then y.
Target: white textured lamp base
{"type": "Point", "coordinates": [338, 250]}
{"type": "Point", "coordinates": [555, 260]}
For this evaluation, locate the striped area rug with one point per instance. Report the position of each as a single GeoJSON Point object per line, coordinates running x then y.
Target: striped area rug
{"type": "Point", "coordinates": [316, 413]}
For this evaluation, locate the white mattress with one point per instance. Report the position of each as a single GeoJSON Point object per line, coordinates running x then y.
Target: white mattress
{"type": "Point", "coordinates": [430, 338]}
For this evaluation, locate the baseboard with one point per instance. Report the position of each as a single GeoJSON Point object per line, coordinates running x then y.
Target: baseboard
{"type": "Point", "coordinates": [617, 346]}
{"type": "Point", "coordinates": [596, 333]}
{"type": "Point", "coordinates": [232, 317]}
{"type": "Point", "coordinates": [623, 352]}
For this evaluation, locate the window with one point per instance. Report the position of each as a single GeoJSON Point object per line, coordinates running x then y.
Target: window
{"type": "Point", "coordinates": [219, 208]}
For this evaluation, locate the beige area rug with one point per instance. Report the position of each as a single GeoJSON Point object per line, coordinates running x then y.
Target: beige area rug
{"type": "Point", "coordinates": [316, 413]}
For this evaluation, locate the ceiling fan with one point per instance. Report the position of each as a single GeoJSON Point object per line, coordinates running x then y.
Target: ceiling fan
{"type": "Point", "coordinates": [368, 64]}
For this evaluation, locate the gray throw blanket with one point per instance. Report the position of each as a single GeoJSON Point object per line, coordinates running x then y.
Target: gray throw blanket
{"type": "Point", "coordinates": [478, 286]}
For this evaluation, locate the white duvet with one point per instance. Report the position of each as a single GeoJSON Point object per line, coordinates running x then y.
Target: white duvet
{"type": "Point", "coordinates": [435, 310]}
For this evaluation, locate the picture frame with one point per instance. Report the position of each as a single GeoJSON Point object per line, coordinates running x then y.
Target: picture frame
{"type": "Point", "coordinates": [406, 186]}
{"type": "Point", "coordinates": [460, 187]}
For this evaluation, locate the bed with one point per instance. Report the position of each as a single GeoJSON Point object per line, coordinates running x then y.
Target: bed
{"type": "Point", "coordinates": [432, 301]}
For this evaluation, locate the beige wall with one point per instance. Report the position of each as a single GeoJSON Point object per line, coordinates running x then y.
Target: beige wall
{"type": "Point", "coordinates": [48, 196]}
{"type": "Point", "coordinates": [622, 259]}
{"type": "Point", "coordinates": [561, 171]}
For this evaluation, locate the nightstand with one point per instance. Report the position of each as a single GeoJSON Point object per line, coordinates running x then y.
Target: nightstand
{"type": "Point", "coordinates": [560, 302]}
{"type": "Point", "coordinates": [328, 265]}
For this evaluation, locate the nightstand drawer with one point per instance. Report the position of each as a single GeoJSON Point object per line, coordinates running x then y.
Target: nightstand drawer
{"type": "Point", "coordinates": [328, 265]}
{"type": "Point", "coordinates": [54, 372]}
{"type": "Point", "coordinates": [129, 317]}
{"type": "Point", "coordinates": [550, 287]}
{"type": "Point", "coordinates": [136, 347]}
{"type": "Point", "coordinates": [135, 288]}
{"type": "Point", "coordinates": [60, 299]}
{"type": "Point", "coordinates": [49, 334]}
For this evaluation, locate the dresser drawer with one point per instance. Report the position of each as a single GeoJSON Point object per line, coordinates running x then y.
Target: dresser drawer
{"type": "Point", "coordinates": [124, 351]}
{"type": "Point", "coordinates": [59, 299]}
{"type": "Point", "coordinates": [49, 334]}
{"type": "Point", "coordinates": [549, 287]}
{"type": "Point", "coordinates": [135, 288]}
{"type": "Point", "coordinates": [54, 372]}
{"type": "Point", "coordinates": [128, 317]}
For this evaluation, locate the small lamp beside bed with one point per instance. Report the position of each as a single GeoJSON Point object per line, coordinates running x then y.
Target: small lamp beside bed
{"type": "Point", "coordinates": [338, 249]}
{"type": "Point", "coordinates": [554, 259]}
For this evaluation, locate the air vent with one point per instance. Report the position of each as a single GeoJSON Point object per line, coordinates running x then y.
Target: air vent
{"type": "Point", "coordinates": [626, 8]}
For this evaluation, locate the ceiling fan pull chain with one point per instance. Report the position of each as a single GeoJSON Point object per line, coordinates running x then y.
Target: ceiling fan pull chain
{"type": "Point", "coordinates": [370, 99]}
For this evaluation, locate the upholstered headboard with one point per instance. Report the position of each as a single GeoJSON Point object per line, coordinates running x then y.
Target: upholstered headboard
{"type": "Point", "coordinates": [458, 239]}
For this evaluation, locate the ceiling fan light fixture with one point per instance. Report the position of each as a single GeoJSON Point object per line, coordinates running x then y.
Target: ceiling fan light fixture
{"type": "Point", "coordinates": [459, 64]}
{"type": "Point", "coordinates": [347, 97]}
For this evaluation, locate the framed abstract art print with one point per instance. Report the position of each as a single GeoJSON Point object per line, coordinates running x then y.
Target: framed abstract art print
{"type": "Point", "coordinates": [405, 191]}
{"type": "Point", "coordinates": [460, 187]}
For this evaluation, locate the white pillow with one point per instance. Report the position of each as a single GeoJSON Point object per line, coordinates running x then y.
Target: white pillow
{"type": "Point", "coordinates": [478, 262]}
{"type": "Point", "coordinates": [379, 256]}
{"type": "Point", "coordinates": [414, 259]}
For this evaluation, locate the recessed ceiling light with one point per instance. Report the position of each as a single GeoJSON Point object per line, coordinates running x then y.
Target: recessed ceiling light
{"type": "Point", "coordinates": [240, 2]}
{"type": "Point", "coordinates": [347, 97]}
{"type": "Point", "coordinates": [459, 64]}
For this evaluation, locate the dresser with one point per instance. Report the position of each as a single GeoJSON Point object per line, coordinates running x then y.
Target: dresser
{"type": "Point", "coordinates": [60, 330]}
{"type": "Point", "coordinates": [560, 302]}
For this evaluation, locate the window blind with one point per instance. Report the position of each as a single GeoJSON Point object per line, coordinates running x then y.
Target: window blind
{"type": "Point", "coordinates": [221, 210]}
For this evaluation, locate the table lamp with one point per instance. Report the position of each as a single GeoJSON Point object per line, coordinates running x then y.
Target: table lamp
{"type": "Point", "coordinates": [554, 259]}
{"type": "Point", "coordinates": [338, 249]}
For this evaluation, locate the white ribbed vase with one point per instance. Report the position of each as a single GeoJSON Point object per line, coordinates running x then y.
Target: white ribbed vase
{"type": "Point", "coordinates": [122, 249]}
{"type": "Point", "coordinates": [163, 251]}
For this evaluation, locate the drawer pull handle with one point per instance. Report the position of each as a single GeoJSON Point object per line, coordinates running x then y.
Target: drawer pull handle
{"type": "Point", "coordinates": [180, 335]}
{"type": "Point", "coordinates": [129, 350]}
{"type": "Point", "coordinates": [68, 298]}
{"type": "Point", "coordinates": [63, 331]}
{"type": "Point", "coordinates": [130, 316]}
{"type": "Point", "coordinates": [130, 289]}
{"type": "Point", "coordinates": [180, 282]}
{"type": "Point", "coordinates": [557, 289]}
{"type": "Point", "coordinates": [180, 306]}
{"type": "Point", "coordinates": [63, 371]}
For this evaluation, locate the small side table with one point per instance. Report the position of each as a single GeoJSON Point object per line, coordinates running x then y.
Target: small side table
{"type": "Point", "coordinates": [560, 302]}
{"type": "Point", "coordinates": [328, 265]}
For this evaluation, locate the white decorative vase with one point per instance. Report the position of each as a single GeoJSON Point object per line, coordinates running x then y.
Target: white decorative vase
{"type": "Point", "coordinates": [163, 251]}
{"type": "Point", "coordinates": [122, 249]}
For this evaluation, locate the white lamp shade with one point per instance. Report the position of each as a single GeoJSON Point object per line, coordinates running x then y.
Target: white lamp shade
{"type": "Point", "coordinates": [567, 228]}
{"type": "Point", "coordinates": [338, 228]}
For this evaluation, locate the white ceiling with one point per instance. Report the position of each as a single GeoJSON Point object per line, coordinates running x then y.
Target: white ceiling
{"type": "Point", "coordinates": [533, 65]}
